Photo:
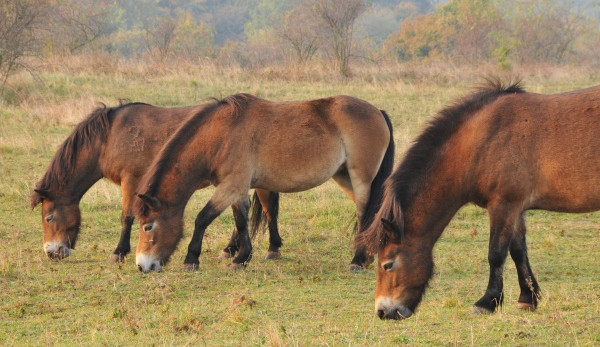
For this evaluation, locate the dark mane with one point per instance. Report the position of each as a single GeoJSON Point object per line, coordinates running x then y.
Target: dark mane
{"type": "Point", "coordinates": [94, 128]}
{"type": "Point", "coordinates": [420, 156]}
{"type": "Point", "coordinates": [401, 185]}
{"type": "Point", "coordinates": [182, 136]}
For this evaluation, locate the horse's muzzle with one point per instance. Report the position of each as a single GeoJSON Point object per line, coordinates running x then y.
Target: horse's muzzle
{"type": "Point", "coordinates": [397, 313]}
{"type": "Point", "coordinates": [146, 263]}
{"type": "Point", "coordinates": [56, 251]}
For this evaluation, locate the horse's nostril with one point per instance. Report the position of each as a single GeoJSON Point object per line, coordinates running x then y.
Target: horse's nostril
{"type": "Point", "coordinates": [380, 314]}
{"type": "Point", "coordinates": [152, 266]}
{"type": "Point", "coordinates": [140, 268]}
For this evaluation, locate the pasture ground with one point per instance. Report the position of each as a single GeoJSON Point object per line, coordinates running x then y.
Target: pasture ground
{"type": "Point", "coordinates": [306, 298]}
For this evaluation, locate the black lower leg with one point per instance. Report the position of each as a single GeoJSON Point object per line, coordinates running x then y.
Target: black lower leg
{"type": "Point", "coordinates": [361, 258]}
{"type": "Point", "coordinates": [274, 237]}
{"type": "Point", "coordinates": [124, 245]}
{"type": "Point", "coordinates": [233, 245]}
{"type": "Point", "coordinates": [240, 214]}
{"type": "Point", "coordinates": [204, 218]}
{"type": "Point", "coordinates": [530, 290]}
{"type": "Point", "coordinates": [497, 253]}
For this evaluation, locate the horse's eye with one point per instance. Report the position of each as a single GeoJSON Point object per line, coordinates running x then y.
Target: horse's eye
{"type": "Point", "coordinates": [148, 227]}
{"type": "Point", "coordinates": [388, 266]}
{"type": "Point", "coordinates": [50, 218]}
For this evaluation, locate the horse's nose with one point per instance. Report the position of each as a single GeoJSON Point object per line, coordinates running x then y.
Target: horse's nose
{"type": "Point", "coordinates": [57, 254]}
{"type": "Point", "coordinates": [380, 314]}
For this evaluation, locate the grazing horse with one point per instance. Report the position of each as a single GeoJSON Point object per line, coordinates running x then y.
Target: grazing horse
{"type": "Point", "coordinates": [502, 149]}
{"type": "Point", "coordinates": [244, 142]}
{"type": "Point", "coordinates": [117, 143]}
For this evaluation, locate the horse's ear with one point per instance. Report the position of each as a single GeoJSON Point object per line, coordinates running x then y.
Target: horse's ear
{"type": "Point", "coordinates": [150, 201]}
{"type": "Point", "coordinates": [393, 232]}
{"type": "Point", "coordinates": [40, 195]}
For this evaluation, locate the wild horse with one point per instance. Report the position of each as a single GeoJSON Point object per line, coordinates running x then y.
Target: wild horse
{"type": "Point", "coordinates": [245, 142]}
{"type": "Point", "coordinates": [118, 143]}
{"type": "Point", "coordinates": [503, 149]}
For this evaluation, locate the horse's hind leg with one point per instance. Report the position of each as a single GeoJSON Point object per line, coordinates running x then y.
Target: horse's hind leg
{"type": "Point", "coordinates": [270, 207]}
{"type": "Point", "coordinates": [359, 193]}
{"type": "Point", "coordinates": [530, 290]}
{"type": "Point", "coordinates": [503, 219]}
{"type": "Point", "coordinates": [240, 214]}
{"type": "Point", "coordinates": [124, 245]}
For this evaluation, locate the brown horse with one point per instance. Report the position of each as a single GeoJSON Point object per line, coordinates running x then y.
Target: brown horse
{"type": "Point", "coordinates": [503, 149]}
{"type": "Point", "coordinates": [244, 142]}
{"type": "Point", "coordinates": [118, 143]}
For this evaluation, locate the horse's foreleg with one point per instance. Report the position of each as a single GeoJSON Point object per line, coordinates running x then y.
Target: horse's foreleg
{"type": "Point", "coordinates": [223, 196]}
{"type": "Point", "coordinates": [240, 214]}
{"type": "Point", "coordinates": [530, 290]}
{"type": "Point", "coordinates": [502, 222]}
{"type": "Point", "coordinates": [124, 245]}
{"type": "Point", "coordinates": [232, 247]}
{"type": "Point", "coordinates": [270, 206]}
{"type": "Point", "coordinates": [203, 220]}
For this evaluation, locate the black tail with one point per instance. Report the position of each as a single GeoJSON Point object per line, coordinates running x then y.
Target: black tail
{"type": "Point", "coordinates": [387, 164]}
{"type": "Point", "coordinates": [258, 220]}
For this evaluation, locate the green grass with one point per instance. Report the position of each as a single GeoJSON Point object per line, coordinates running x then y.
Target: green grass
{"type": "Point", "coordinates": [306, 298]}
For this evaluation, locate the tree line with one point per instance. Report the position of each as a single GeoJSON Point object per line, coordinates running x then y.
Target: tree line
{"type": "Point", "coordinates": [263, 32]}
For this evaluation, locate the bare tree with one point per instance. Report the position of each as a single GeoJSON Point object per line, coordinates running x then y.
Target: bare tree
{"type": "Point", "coordinates": [160, 36]}
{"type": "Point", "coordinates": [546, 30]}
{"type": "Point", "coordinates": [78, 23]}
{"type": "Point", "coordinates": [338, 17]}
{"type": "Point", "coordinates": [20, 21]}
{"type": "Point", "coordinates": [300, 30]}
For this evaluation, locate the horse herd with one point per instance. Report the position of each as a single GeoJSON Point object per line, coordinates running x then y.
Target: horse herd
{"type": "Point", "coordinates": [501, 148]}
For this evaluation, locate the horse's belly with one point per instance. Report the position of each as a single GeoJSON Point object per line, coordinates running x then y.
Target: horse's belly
{"type": "Point", "coordinates": [295, 172]}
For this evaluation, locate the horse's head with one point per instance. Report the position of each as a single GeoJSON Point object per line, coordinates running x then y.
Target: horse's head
{"type": "Point", "coordinates": [61, 221]}
{"type": "Point", "coordinates": [161, 230]}
{"type": "Point", "coordinates": [404, 267]}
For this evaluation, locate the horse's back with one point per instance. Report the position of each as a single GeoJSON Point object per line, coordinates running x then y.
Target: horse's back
{"type": "Point", "coordinates": [138, 132]}
{"type": "Point", "coordinates": [546, 147]}
{"type": "Point", "coordinates": [300, 144]}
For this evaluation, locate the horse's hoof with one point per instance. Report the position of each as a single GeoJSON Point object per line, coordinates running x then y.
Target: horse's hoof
{"type": "Point", "coordinates": [525, 306]}
{"type": "Point", "coordinates": [368, 262]}
{"type": "Point", "coordinates": [236, 266]}
{"type": "Point", "coordinates": [224, 255]}
{"type": "Point", "coordinates": [273, 255]}
{"type": "Point", "coordinates": [191, 267]}
{"type": "Point", "coordinates": [481, 310]}
{"type": "Point", "coordinates": [116, 258]}
{"type": "Point", "coordinates": [355, 267]}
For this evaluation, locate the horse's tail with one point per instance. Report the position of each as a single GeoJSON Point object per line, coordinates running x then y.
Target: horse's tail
{"type": "Point", "coordinates": [258, 220]}
{"type": "Point", "coordinates": [385, 169]}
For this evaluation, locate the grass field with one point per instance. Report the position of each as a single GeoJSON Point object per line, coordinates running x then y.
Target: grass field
{"type": "Point", "coordinates": [306, 298]}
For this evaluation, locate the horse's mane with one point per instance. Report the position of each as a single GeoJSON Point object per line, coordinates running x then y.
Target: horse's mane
{"type": "Point", "coordinates": [402, 184]}
{"type": "Point", "coordinates": [94, 128]}
{"type": "Point", "coordinates": [154, 176]}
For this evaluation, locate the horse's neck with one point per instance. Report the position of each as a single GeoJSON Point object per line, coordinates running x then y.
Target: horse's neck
{"type": "Point", "coordinates": [432, 207]}
{"type": "Point", "coordinates": [82, 176]}
{"type": "Point", "coordinates": [189, 171]}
